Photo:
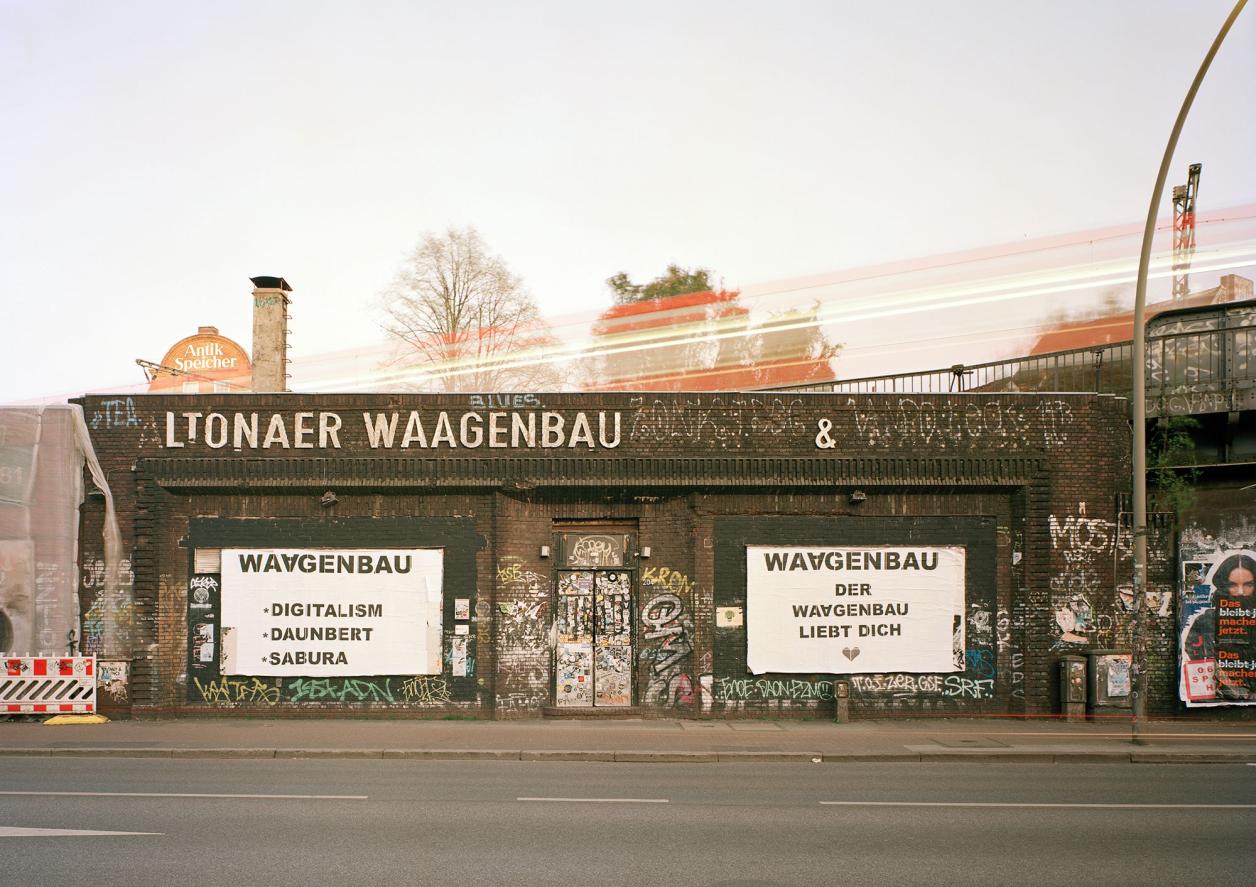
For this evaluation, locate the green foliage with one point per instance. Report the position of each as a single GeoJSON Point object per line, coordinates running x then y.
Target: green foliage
{"type": "Point", "coordinates": [1170, 453]}
{"type": "Point", "coordinates": [677, 281]}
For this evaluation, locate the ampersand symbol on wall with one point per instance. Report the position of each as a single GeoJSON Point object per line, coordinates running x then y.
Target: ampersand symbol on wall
{"type": "Point", "coordinates": [823, 441]}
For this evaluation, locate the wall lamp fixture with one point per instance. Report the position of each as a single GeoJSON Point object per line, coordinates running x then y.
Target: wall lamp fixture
{"type": "Point", "coordinates": [858, 496]}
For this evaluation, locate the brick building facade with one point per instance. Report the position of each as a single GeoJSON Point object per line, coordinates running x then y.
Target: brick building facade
{"type": "Point", "coordinates": [604, 552]}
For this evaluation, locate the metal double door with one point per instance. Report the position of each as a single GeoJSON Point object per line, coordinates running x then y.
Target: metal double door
{"type": "Point", "coordinates": [593, 657]}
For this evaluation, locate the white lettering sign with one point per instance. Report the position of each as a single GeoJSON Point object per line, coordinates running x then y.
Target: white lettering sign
{"type": "Point", "coordinates": [332, 612]}
{"type": "Point", "coordinates": [413, 430]}
{"type": "Point", "coordinates": [854, 610]}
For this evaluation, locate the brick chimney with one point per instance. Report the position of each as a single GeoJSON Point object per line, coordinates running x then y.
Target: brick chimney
{"type": "Point", "coordinates": [270, 333]}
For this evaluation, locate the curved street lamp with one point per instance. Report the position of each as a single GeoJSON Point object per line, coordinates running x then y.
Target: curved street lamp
{"type": "Point", "coordinates": [1139, 395]}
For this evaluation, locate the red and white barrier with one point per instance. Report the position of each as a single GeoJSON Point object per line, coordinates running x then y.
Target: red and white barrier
{"type": "Point", "coordinates": [39, 684]}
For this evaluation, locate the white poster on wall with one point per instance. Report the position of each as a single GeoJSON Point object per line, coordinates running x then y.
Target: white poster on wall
{"type": "Point", "coordinates": [854, 610]}
{"type": "Point", "coordinates": [322, 612]}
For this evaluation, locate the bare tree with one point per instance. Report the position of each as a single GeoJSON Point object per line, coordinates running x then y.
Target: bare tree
{"type": "Point", "coordinates": [468, 321]}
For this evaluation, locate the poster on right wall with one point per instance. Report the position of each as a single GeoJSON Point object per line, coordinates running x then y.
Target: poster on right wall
{"type": "Point", "coordinates": [1216, 623]}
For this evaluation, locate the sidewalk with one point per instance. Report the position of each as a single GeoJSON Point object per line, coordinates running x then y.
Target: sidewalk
{"type": "Point", "coordinates": [908, 740]}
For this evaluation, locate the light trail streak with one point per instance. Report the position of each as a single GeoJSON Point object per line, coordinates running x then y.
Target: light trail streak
{"type": "Point", "coordinates": [864, 308]}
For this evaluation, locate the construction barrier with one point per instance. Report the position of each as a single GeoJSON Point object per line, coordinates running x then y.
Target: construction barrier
{"type": "Point", "coordinates": [38, 684]}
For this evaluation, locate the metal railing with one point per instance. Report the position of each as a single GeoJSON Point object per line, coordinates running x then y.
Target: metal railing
{"type": "Point", "coordinates": [1198, 362]}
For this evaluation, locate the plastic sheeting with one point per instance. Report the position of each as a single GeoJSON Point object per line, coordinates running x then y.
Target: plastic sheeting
{"type": "Point", "coordinates": [43, 451]}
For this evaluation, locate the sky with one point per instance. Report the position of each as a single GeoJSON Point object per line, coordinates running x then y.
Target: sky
{"type": "Point", "coordinates": [154, 156]}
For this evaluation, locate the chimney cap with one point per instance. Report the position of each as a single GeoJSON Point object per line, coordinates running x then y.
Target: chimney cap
{"type": "Point", "coordinates": [271, 283]}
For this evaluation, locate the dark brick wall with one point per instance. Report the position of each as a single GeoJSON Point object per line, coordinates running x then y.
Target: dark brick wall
{"type": "Point", "coordinates": [1034, 478]}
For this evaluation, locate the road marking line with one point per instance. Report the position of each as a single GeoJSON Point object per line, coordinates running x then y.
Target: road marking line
{"type": "Point", "coordinates": [12, 831]}
{"type": "Point", "coordinates": [602, 800]}
{"type": "Point", "coordinates": [998, 804]}
{"type": "Point", "coordinates": [187, 795]}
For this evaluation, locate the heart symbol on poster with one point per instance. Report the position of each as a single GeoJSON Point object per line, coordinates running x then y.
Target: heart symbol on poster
{"type": "Point", "coordinates": [850, 653]}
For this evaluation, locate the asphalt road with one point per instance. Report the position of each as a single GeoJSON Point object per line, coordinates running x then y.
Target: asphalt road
{"type": "Point", "coordinates": [205, 822]}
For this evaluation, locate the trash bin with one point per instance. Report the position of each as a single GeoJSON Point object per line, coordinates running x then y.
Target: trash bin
{"type": "Point", "coordinates": [1111, 683]}
{"type": "Point", "coordinates": [1073, 687]}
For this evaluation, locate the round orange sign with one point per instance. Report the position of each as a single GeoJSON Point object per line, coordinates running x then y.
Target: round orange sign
{"type": "Point", "coordinates": [204, 363]}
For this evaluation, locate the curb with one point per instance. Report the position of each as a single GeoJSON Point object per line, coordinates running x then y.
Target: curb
{"type": "Point", "coordinates": [647, 757]}
{"type": "Point", "coordinates": [666, 757]}
{"type": "Point", "coordinates": [449, 754]}
{"type": "Point", "coordinates": [769, 757]}
{"type": "Point", "coordinates": [222, 753]}
{"type": "Point", "coordinates": [1147, 757]}
{"type": "Point", "coordinates": [566, 755]}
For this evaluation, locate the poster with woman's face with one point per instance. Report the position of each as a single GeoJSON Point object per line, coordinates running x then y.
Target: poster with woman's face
{"type": "Point", "coordinates": [1218, 629]}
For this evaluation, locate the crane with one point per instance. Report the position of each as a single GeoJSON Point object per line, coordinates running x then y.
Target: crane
{"type": "Point", "coordinates": [1184, 231]}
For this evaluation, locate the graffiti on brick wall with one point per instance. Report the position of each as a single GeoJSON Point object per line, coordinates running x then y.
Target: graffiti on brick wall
{"type": "Point", "coordinates": [895, 685]}
{"type": "Point", "coordinates": [598, 550]}
{"type": "Point", "coordinates": [521, 703]}
{"type": "Point", "coordinates": [1009, 630]}
{"type": "Point", "coordinates": [116, 413]}
{"type": "Point", "coordinates": [960, 425]}
{"type": "Point", "coordinates": [523, 609]}
{"type": "Point", "coordinates": [504, 401]}
{"type": "Point", "coordinates": [119, 414]}
{"type": "Point", "coordinates": [425, 690]}
{"type": "Point", "coordinates": [1092, 594]}
{"type": "Point", "coordinates": [667, 636]}
{"type": "Point", "coordinates": [337, 690]}
{"type": "Point", "coordinates": [253, 691]}
{"type": "Point", "coordinates": [768, 690]}
{"type": "Point", "coordinates": [721, 421]}
{"type": "Point", "coordinates": [238, 691]}
{"type": "Point", "coordinates": [706, 682]}
{"type": "Point", "coordinates": [924, 692]}
{"type": "Point", "coordinates": [109, 622]}
{"type": "Point", "coordinates": [954, 685]}
{"type": "Point", "coordinates": [1083, 602]}
{"type": "Point", "coordinates": [523, 635]}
